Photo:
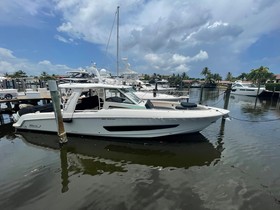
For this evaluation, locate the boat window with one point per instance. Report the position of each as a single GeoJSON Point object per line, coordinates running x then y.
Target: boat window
{"type": "Point", "coordinates": [252, 85]}
{"type": "Point", "coordinates": [130, 93]}
{"type": "Point", "coordinates": [114, 95]}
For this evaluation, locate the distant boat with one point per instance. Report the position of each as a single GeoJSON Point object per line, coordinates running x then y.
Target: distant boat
{"type": "Point", "coordinates": [245, 88]}
{"type": "Point", "coordinates": [77, 76]}
{"type": "Point", "coordinates": [2, 78]}
{"type": "Point", "coordinates": [195, 85]}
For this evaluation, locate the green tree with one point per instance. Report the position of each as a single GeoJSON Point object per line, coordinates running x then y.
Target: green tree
{"type": "Point", "coordinates": [217, 77]}
{"type": "Point", "coordinates": [45, 76]}
{"type": "Point", "coordinates": [205, 72]}
{"type": "Point", "coordinates": [147, 77]}
{"type": "Point", "coordinates": [185, 76]}
{"type": "Point", "coordinates": [229, 77]}
{"type": "Point", "coordinates": [18, 74]}
{"type": "Point", "coordinates": [260, 75]}
{"type": "Point", "coordinates": [208, 75]}
{"type": "Point", "coordinates": [242, 76]}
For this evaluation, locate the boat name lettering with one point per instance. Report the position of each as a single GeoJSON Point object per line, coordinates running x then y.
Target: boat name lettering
{"type": "Point", "coordinates": [34, 126]}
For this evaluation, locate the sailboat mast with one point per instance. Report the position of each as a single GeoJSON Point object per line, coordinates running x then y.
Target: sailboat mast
{"type": "Point", "coordinates": [118, 22]}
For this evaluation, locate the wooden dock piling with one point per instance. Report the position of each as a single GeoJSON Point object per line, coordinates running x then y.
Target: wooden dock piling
{"type": "Point", "coordinates": [57, 110]}
{"type": "Point", "coordinates": [227, 95]}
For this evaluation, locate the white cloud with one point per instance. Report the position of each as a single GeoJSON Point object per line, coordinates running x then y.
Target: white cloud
{"type": "Point", "coordinates": [159, 27]}
{"type": "Point", "coordinates": [5, 53]}
{"type": "Point", "coordinates": [11, 64]}
{"type": "Point", "coordinates": [202, 55]}
{"type": "Point", "coordinates": [161, 35]}
{"type": "Point", "coordinates": [174, 63]}
{"type": "Point", "coordinates": [211, 33]}
{"type": "Point", "coordinates": [24, 12]}
{"type": "Point", "coordinates": [63, 39]}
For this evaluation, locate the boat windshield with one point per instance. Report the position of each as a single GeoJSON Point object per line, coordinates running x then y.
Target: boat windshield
{"type": "Point", "coordinates": [130, 94]}
{"type": "Point", "coordinates": [252, 85]}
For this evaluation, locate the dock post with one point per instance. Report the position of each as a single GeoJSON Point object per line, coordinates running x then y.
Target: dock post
{"type": "Point", "coordinates": [57, 110]}
{"type": "Point", "coordinates": [227, 92]}
{"type": "Point", "coordinates": [201, 94]}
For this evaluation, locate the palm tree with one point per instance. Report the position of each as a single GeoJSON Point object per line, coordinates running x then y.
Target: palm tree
{"type": "Point", "coordinates": [205, 72]}
{"type": "Point", "coordinates": [208, 75]}
{"type": "Point", "coordinates": [229, 76]}
{"type": "Point", "coordinates": [19, 74]}
{"type": "Point", "coordinates": [217, 77]}
{"type": "Point", "coordinates": [242, 76]}
{"type": "Point", "coordinates": [260, 75]}
{"type": "Point", "coordinates": [45, 76]}
{"type": "Point", "coordinates": [184, 76]}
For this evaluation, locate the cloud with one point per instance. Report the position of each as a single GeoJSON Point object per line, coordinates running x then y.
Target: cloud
{"type": "Point", "coordinates": [168, 36]}
{"type": "Point", "coordinates": [209, 33]}
{"type": "Point", "coordinates": [6, 54]}
{"type": "Point", "coordinates": [24, 12]}
{"type": "Point", "coordinates": [63, 39]}
{"type": "Point", "coordinates": [171, 27]}
{"type": "Point", "coordinates": [174, 63]}
{"type": "Point", "coordinates": [10, 64]}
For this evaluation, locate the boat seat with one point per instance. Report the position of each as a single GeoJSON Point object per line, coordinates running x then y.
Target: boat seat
{"type": "Point", "coordinates": [88, 103]}
{"type": "Point", "coordinates": [149, 104]}
{"type": "Point", "coordinates": [115, 99]}
{"type": "Point", "coordinates": [33, 109]}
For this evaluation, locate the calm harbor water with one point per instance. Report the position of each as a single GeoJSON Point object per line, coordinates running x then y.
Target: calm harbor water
{"type": "Point", "coordinates": [232, 164]}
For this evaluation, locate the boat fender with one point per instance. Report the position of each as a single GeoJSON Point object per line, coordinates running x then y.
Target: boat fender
{"type": "Point", "coordinates": [186, 105]}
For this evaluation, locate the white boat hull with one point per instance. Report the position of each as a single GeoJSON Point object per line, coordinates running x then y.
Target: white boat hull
{"type": "Point", "coordinates": [247, 91]}
{"type": "Point", "coordinates": [122, 123]}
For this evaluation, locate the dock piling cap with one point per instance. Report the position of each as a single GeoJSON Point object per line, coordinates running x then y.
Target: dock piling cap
{"type": "Point", "coordinates": [52, 85]}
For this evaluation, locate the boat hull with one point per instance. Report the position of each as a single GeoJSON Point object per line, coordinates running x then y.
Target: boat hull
{"type": "Point", "coordinates": [122, 123]}
{"type": "Point", "coordinates": [247, 91]}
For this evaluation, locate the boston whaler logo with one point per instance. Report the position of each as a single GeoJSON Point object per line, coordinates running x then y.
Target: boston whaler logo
{"type": "Point", "coordinates": [34, 126]}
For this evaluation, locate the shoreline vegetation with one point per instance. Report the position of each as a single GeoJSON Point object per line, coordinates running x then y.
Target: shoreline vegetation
{"type": "Point", "coordinates": [259, 76]}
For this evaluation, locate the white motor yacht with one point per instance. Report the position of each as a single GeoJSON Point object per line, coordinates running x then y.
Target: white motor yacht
{"type": "Point", "coordinates": [96, 109]}
{"type": "Point", "coordinates": [247, 89]}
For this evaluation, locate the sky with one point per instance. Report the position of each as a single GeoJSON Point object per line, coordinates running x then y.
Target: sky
{"type": "Point", "coordinates": [155, 36]}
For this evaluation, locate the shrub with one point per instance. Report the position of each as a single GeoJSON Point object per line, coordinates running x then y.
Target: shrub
{"type": "Point", "coordinates": [271, 86]}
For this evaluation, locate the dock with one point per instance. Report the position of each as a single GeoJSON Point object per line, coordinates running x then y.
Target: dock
{"type": "Point", "coordinates": [29, 97]}
{"type": "Point", "coordinates": [270, 94]}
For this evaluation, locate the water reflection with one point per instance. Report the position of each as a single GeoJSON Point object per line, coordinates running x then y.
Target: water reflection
{"type": "Point", "coordinates": [179, 151]}
{"type": "Point", "coordinates": [93, 156]}
{"type": "Point", "coordinates": [208, 95]}
{"type": "Point", "coordinates": [255, 107]}
{"type": "Point", "coordinates": [7, 131]}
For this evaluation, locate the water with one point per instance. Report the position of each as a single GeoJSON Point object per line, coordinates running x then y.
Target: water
{"type": "Point", "coordinates": [229, 165]}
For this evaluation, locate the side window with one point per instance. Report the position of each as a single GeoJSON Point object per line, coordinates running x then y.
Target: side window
{"type": "Point", "coordinates": [114, 95]}
{"type": "Point", "coordinates": [111, 93]}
